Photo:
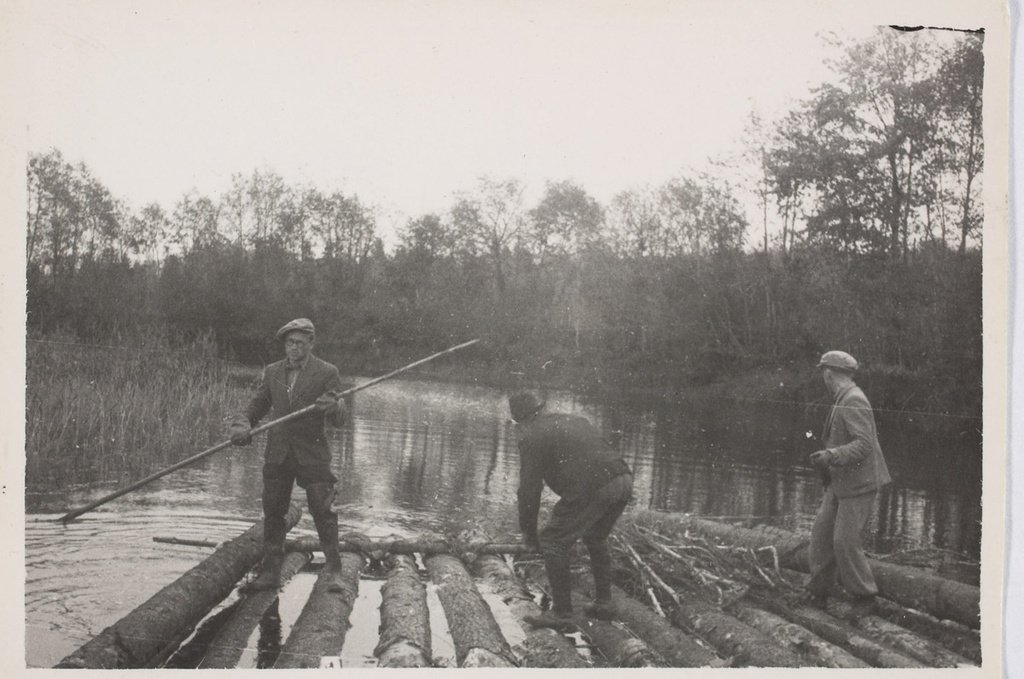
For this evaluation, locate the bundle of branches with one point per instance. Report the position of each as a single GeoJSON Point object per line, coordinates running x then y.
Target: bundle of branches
{"type": "Point", "coordinates": [667, 566]}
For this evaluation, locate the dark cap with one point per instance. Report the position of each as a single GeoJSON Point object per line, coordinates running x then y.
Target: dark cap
{"type": "Point", "coordinates": [840, 360]}
{"type": "Point", "coordinates": [524, 404]}
{"type": "Point", "coordinates": [300, 324]}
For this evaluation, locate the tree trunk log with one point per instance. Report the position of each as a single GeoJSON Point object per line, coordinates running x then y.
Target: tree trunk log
{"type": "Point", "coordinates": [319, 632]}
{"type": "Point", "coordinates": [732, 638]}
{"type": "Point", "coordinates": [673, 644]}
{"type": "Point", "coordinates": [543, 647]}
{"type": "Point", "coordinates": [421, 545]}
{"type": "Point", "coordinates": [226, 648]}
{"type": "Point", "coordinates": [804, 643]}
{"type": "Point", "coordinates": [910, 587]}
{"type": "Point", "coordinates": [475, 633]}
{"type": "Point", "coordinates": [905, 641]}
{"type": "Point", "coordinates": [404, 617]}
{"type": "Point", "coordinates": [616, 644]}
{"type": "Point", "coordinates": [951, 635]}
{"type": "Point", "coordinates": [841, 634]}
{"type": "Point", "coordinates": [152, 631]}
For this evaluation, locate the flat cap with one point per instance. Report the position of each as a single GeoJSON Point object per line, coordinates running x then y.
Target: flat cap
{"type": "Point", "coordinates": [300, 324]}
{"type": "Point", "coordinates": [840, 360]}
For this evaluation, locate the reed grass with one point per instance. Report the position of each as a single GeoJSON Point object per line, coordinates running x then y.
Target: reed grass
{"type": "Point", "coordinates": [103, 413]}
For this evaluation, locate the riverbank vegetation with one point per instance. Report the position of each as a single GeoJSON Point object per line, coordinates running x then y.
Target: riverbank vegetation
{"type": "Point", "coordinates": [853, 222]}
{"type": "Point", "coordinates": [92, 409]}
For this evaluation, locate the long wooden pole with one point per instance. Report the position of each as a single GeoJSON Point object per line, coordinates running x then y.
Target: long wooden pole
{"type": "Point", "coordinates": [262, 428]}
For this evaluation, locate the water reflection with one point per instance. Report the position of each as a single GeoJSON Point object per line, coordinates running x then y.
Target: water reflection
{"type": "Point", "coordinates": [420, 457]}
{"type": "Point", "coordinates": [270, 642]}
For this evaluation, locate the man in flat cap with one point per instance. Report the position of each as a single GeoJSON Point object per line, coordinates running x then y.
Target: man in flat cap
{"type": "Point", "coordinates": [855, 470]}
{"type": "Point", "coordinates": [296, 451]}
{"type": "Point", "coordinates": [594, 484]}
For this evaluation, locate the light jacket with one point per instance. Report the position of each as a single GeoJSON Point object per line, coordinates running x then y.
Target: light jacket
{"type": "Point", "coordinates": [854, 456]}
{"type": "Point", "coordinates": [303, 437]}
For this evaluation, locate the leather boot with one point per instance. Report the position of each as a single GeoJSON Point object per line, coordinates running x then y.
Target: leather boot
{"type": "Point", "coordinates": [320, 496]}
{"type": "Point", "coordinates": [552, 620]}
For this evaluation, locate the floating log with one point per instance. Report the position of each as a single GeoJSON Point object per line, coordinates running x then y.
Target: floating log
{"type": "Point", "coordinates": [227, 646]}
{"type": "Point", "coordinates": [542, 647]}
{"type": "Point", "coordinates": [619, 647]}
{"type": "Point", "coordinates": [151, 632]}
{"type": "Point", "coordinates": [910, 587]}
{"type": "Point", "coordinates": [839, 633]}
{"type": "Point", "coordinates": [673, 644]}
{"type": "Point", "coordinates": [952, 635]}
{"type": "Point", "coordinates": [319, 632]}
{"type": "Point", "coordinates": [421, 545]}
{"type": "Point", "coordinates": [404, 617]}
{"type": "Point", "coordinates": [475, 633]}
{"type": "Point", "coordinates": [189, 654]}
{"type": "Point", "coordinates": [915, 646]}
{"type": "Point", "coordinates": [804, 643]}
{"type": "Point", "coordinates": [731, 637]}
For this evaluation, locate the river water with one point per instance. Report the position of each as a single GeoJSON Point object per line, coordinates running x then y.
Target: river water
{"type": "Point", "coordinates": [421, 457]}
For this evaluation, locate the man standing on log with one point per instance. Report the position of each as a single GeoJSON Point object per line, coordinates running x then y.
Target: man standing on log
{"type": "Point", "coordinates": [854, 472]}
{"type": "Point", "coordinates": [297, 451]}
{"type": "Point", "coordinates": [594, 484]}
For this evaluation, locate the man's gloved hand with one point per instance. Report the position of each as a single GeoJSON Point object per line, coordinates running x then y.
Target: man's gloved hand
{"type": "Point", "coordinates": [239, 431]}
{"type": "Point", "coordinates": [819, 459]}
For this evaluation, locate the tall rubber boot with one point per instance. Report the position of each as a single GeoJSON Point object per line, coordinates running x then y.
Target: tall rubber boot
{"type": "Point", "coordinates": [270, 569]}
{"type": "Point", "coordinates": [320, 497]}
{"type": "Point", "coordinates": [277, 493]}
{"type": "Point", "coordinates": [601, 567]}
{"type": "Point", "coordinates": [560, 617]}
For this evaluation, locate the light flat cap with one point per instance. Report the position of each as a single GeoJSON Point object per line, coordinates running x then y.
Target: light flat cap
{"type": "Point", "coordinates": [840, 360]}
{"type": "Point", "coordinates": [300, 324]}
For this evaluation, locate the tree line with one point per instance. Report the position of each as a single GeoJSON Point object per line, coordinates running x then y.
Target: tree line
{"type": "Point", "coordinates": [866, 236]}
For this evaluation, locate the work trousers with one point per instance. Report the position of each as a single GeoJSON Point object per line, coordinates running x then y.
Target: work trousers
{"type": "Point", "coordinates": [836, 549]}
{"type": "Point", "coordinates": [592, 520]}
{"type": "Point", "coordinates": [278, 479]}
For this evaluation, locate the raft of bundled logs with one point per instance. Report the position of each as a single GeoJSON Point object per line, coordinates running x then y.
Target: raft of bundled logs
{"type": "Point", "coordinates": [689, 593]}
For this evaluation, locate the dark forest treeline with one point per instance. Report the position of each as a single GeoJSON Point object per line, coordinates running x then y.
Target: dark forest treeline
{"type": "Point", "coordinates": [868, 239]}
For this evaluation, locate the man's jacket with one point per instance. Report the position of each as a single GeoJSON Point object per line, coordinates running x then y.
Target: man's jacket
{"type": "Point", "coordinates": [567, 453]}
{"type": "Point", "coordinates": [304, 437]}
{"type": "Point", "coordinates": [855, 459]}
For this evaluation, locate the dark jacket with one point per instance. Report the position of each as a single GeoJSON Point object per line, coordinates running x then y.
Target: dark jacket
{"type": "Point", "coordinates": [567, 453]}
{"type": "Point", "coordinates": [303, 437]}
{"type": "Point", "coordinates": [854, 457]}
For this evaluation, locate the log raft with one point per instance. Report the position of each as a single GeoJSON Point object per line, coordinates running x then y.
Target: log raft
{"type": "Point", "coordinates": [153, 631]}
{"type": "Point", "coordinates": [928, 626]}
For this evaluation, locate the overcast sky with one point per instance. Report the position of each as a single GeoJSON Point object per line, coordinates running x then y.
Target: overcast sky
{"type": "Point", "coordinates": [400, 106]}
{"type": "Point", "coordinates": [405, 104]}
